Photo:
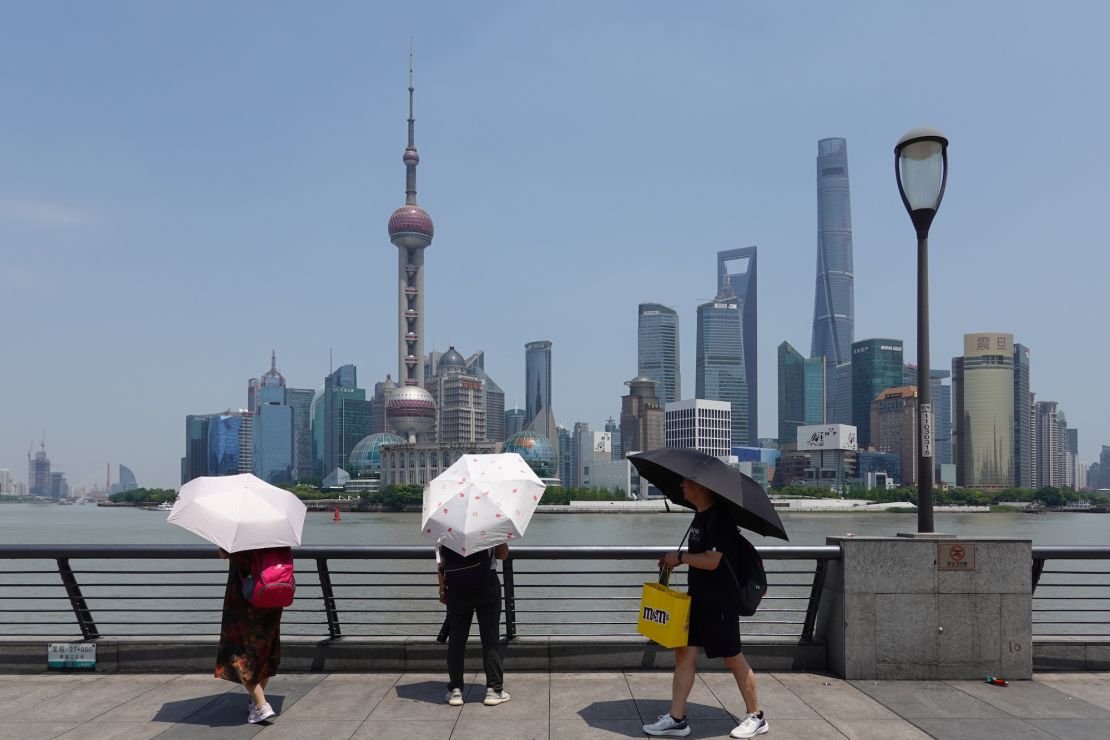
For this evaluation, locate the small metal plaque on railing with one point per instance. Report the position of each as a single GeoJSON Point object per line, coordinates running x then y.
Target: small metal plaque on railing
{"type": "Point", "coordinates": [81, 655]}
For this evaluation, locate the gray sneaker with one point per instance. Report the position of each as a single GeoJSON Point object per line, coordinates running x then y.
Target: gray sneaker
{"type": "Point", "coordinates": [495, 697]}
{"type": "Point", "coordinates": [454, 697]}
{"type": "Point", "coordinates": [261, 714]}
{"type": "Point", "coordinates": [752, 725]}
{"type": "Point", "coordinates": [668, 726]}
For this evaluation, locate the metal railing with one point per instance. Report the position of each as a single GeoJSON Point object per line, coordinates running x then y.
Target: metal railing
{"type": "Point", "coordinates": [173, 590]}
{"type": "Point", "coordinates": [1071, 591]}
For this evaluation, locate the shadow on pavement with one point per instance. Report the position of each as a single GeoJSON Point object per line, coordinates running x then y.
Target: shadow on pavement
{"type": "Point", "coordinates": [221, 710]}
{"type": "Point", "coordinates": [428, 691]}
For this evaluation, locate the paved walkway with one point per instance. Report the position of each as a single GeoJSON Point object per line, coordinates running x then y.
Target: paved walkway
{"type": "Point", "coordinates": [559, 705]}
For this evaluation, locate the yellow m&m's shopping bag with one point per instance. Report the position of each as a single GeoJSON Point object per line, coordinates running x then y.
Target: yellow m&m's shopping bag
{"type": "Point", "coordinates": [664, 615]}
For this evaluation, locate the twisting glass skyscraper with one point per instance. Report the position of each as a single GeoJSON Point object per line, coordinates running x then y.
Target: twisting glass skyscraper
{"type": "Point", "coordinates": [834, 302]}
{"type": "Point", "coordinates": [657, 349]}
{"type": "Point", "coordinates": [720, 359]}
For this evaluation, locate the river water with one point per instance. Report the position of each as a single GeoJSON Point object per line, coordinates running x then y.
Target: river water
{"type": "Point", "coordinates": [87, 525]}
{"type": "Point", "coordinates": [398, 597]}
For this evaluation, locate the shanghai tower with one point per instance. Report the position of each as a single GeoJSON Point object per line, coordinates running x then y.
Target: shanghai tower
{"type": "Point", "coordinates": [834, 301]}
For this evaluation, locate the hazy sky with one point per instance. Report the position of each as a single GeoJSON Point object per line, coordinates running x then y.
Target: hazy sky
{"type": "Point", "coordinates": [186, 186]}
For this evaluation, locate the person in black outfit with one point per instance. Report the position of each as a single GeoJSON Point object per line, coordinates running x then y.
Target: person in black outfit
{"type": "Point", "coordinates": [468, 586]}
{"type": "Point", "coordinates": [714, 614]}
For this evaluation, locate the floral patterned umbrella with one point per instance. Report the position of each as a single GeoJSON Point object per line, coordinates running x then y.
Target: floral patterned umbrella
{"type": "Point", "coordinates": [480, 501]}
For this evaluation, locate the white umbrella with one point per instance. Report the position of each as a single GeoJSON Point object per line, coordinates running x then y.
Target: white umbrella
{"type": "Point", "coordinates": [480, 501]}
{"type": "Point", "coordinates": [239, 512]}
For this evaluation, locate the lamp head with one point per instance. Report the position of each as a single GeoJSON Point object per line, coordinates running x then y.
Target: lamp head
{"type": "Point", "coordinates": [921, 168]}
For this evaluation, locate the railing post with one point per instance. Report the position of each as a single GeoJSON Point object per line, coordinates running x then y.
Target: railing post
{"type": "Point", "coordinates": [510, 598]}
{"type": "Point", "coordinates": [77, 601]}
{"type": "Point", "coordinates": [329, 598]}
{"type": "Point", "coordinates": [1038, 568]}
{"type": "Point", "coordinates": [814, 599]}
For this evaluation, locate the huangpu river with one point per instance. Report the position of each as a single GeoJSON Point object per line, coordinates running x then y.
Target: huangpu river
{"type": "Point", "coordinates": [379, 597]}
{"type": "Point", "coordinates": [47, 524]}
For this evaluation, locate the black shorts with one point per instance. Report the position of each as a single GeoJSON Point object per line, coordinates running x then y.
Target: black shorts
{"type": "Point", "coordinates": [715, 629]}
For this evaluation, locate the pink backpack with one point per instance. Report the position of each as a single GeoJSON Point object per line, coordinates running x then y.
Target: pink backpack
{"type": "Point", "coordinates": [270, 584]}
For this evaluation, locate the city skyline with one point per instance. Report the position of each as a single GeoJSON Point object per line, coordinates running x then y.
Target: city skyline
{"type": "Point", "coordinates": [129, 233]}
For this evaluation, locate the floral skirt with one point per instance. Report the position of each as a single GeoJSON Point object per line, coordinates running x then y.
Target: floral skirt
{"type": "Point", "coordinates": [250, 637]}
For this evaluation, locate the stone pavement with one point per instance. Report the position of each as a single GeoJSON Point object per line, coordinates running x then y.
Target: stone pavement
{"type": "Point", "coordinates": [805, 706]}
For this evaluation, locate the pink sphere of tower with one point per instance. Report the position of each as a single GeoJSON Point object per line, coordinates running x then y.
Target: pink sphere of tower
{"type": "Point", "coordinates": [411, 226]}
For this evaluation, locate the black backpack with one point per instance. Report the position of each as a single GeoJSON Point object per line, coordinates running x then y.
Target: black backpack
{"type": "Point", "coordinates": [750, 577]}
{"type": "Point", "coordinates": [466, 573]}
{"type": "Point", "coordinates": [747, 573]}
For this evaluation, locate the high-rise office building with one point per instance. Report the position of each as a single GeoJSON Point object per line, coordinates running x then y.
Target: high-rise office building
{"type": "Point", "coordinates": [273, 428]}
{"type": "Point", "coordinates": [876, 365]}
{"type": "Point", "coordinates": [657, 350]}
{"type": "Point", "coordinates": [816, 382]}
{"type": "Point", "coordinates": [792, 393]}
{"type": "Point", "coordinates": [231, 443]}
{"type": "Point", "coordinates": [801, 392]}
{"type": "Point", "coordinates": [537, 379]}
{"type": "Point", "coordinates": [738, 267]}
{"type": "Point", "coordinates": [1055, 465]}
{"type": "Point", "coordinates": [341, 419]}
{"type": "Point", "coordinates": [299, 401]}
{"type": "Point", "coordinates": [6, 486]}
{"type": "Point", "coordinates": [838, 393]}
{"type": "Point", "coordinates": [195, 462]}
{"type": "Point", "coordinates": [699, 424]}
{"type": "Point", "coordinates": [1023, 419]}
{"type": "Point", "coordinates": [580, 438]}
{"type": "Point", "coordinates": [834, 302]}
{"type": "Point", "coordinates": [382, 389]}
{"type": "Point", "coordinates": [641, 417]}
{"type": "Point", "coordinates": [38, 473]}
{"type": "Point", "coordinates": [514, 421]}
{"type": "Point", "coordinates": [983, 405]}
{"type": "Point", "coordinates": [495, 397]}
{"type": "Point", "coordinates": [567, 463]}
{"type": "Point", "coordinates": [894, 428]}
{"type": "Point", "coordinates": [720, 373]}
{"type": "Point", "coordinates": [460, 401]}
{"type": "Point", "coordinates": [941, 399]}
{"type": "Point", "coordinates": [614, 428]}
{"type": "Point", "coordinates": [126, 481]}
{"type": "Point", "coordinates": [1072, 451]}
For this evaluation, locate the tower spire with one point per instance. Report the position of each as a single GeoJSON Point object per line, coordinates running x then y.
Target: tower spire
{"type": "Point", "coordinates": [273, 360]}
{"type": "Point", "coordinates": [411, 158]}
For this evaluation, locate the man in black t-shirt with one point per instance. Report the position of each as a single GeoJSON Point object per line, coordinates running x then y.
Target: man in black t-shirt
{"type": "Point", "coordinates": [714, 614]}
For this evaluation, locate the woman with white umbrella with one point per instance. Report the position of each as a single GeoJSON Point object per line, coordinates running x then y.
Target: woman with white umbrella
{"type": "Point", "coordinates": [254, 524]}
{"type": "Point", "coordinates": [473, 510]}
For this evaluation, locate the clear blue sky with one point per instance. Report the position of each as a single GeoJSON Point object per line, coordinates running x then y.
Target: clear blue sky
{"type": "Point", "coordinates": [186, 186]}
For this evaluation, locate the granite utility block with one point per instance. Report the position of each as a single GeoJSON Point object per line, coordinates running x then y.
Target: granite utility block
{"type": "Point", "coordinates": [891, 611]}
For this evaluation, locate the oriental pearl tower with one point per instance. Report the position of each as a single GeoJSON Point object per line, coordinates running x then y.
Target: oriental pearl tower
{"type": "Point", "coordinates": [410, 409]}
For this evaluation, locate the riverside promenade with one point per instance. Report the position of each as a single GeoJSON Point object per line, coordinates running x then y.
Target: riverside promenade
{"type": "Point", "coordinates": [342, 706]}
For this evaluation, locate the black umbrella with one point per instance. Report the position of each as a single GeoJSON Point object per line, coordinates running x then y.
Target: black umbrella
{"type": "Point", "coordinates": [666, 468]}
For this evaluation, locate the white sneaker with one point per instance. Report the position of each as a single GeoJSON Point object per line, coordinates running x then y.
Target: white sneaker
{"type": "Point", "coordinates": [454, 697]}
{"type": "Point", "coordinates": [752, 725]}
{"type": "Point", "coordinates": [495, 697]}
{"type": "Point", "coordinates": [668, 726]}
{"type": "Point", "coordinates": [261, 714]}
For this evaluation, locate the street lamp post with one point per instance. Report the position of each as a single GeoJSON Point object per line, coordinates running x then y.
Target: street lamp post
{"type": "Point", "coordinates": [921, 168]}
